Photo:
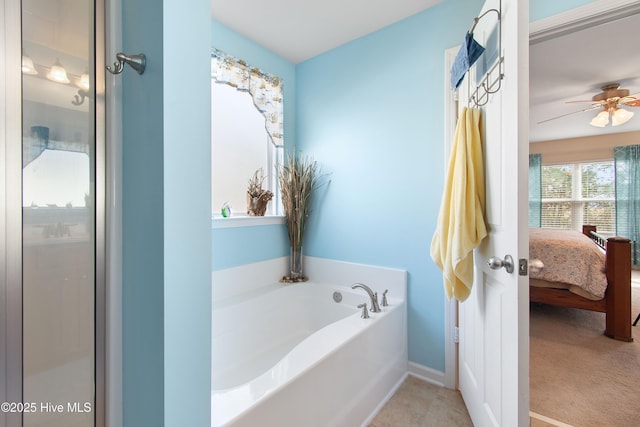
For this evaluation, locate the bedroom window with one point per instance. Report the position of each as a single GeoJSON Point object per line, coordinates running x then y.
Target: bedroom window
{"type": "Point", "coordinates": [577, 194]}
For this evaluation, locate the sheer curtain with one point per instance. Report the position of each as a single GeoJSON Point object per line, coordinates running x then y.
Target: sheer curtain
{"type": "Point", "coordinates": [535, 190]}
{"type": "Point", "coordinates": [627, 161]}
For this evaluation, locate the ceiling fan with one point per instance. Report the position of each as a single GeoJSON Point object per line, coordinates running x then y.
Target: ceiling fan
{"type": "Point", "coordinates": [609, 101]}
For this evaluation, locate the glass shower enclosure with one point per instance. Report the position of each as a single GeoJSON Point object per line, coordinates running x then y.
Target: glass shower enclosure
{"type": "Point", "coordinates": [62, 197]}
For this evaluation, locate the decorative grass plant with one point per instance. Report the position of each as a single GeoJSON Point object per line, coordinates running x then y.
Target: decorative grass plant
{"type": "Point", "coordinates": [298, 178]}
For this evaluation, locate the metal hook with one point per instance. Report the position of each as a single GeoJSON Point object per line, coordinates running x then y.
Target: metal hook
{"type": "Point", "coordinates": [137, 62]}
{"type": "Point", "coordinates": [79, 98]}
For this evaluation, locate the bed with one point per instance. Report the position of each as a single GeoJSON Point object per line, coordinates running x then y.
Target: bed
{"type": "Point", "coordinates": [588, 273]}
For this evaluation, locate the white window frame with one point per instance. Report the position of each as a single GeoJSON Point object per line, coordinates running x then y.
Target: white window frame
{"type": "Point", "coordinates": [226, 69]}
{"type": "Point", "coordinates": [577, 200]}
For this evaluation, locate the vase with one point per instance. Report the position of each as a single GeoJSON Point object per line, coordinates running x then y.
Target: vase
{"type": "Point", "coordinates": [295, 265]}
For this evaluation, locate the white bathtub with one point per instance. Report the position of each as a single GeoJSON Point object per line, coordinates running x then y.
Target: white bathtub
{"type": "Point", "coordinates": [289, 355]}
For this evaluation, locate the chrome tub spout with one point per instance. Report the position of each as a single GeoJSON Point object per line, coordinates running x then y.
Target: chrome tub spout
{"type": "Point", "coordinates": [375, 308]}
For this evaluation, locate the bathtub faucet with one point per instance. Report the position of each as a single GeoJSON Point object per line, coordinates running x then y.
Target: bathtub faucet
{"type": "Point", "coordinates": [375, 308]}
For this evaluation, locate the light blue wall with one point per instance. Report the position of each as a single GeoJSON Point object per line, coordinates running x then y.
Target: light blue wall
{"type": "Point", "coordinates": [371, 113]}
{"type": "Point", "coordinates": [539, 9]}
{"type": "Point", "coordinates": [166, 256]}
{"type": "Point", "coordinates": [142, 220]}
{"type": "Point", "coordinates": [187, 213]}
{"type": "Point", "coordinates": [245, 245]}
{"type": "Point", "coordinates": [238, 246]}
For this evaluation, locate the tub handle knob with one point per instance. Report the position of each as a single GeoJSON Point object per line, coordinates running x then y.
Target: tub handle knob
{"type": "Point", "coordinates": [385, 303]}
{"type": "Point", "coordinates": [365, 312]}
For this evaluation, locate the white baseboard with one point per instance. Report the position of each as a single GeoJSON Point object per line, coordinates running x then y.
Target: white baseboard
{"type": "Point", "coordinates": [384, 401]}
{"type": "Point", "coordinates": [548, 420]}
{"type": "Point", "coordinates": [427, 374]}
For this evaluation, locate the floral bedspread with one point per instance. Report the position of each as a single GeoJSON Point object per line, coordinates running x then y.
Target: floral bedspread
{"type": "Point", "coordinates": [569, 257]}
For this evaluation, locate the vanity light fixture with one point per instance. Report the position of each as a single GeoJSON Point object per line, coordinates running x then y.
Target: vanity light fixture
{"type": "Point", "coordinates": [83, 82]}
{"type": "Point", "coordinates": [27, 65]}
{"type": "Point", "coordinates": [57, 73]}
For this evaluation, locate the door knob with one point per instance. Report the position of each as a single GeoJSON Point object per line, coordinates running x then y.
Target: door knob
{"type": "Point", "coordinates": [495, 263]}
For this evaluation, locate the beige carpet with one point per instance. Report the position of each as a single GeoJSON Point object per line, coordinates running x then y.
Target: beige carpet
{"type": "Point", "coordinates": [579, 376]}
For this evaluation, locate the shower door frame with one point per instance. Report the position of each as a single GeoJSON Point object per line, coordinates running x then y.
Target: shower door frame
{"type": "Point", "coordinates": [11, 215]}
{"type": "Point", "coordinates": [11, 314]}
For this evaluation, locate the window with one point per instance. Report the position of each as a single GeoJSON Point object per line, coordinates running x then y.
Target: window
{"type": "Point", "coordinates": [57, 178]}
{"type": "Point", "coordinates": [577, 194]}
{"type": "Point", "coordinates": [247, 132]}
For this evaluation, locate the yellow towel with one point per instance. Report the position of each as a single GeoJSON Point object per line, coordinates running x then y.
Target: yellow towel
{"type": "Point", "coordinates": [461, 225]}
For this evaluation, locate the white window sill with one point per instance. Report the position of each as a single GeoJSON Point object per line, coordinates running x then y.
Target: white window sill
{"type": "Point", "coordinates": [245, 221]}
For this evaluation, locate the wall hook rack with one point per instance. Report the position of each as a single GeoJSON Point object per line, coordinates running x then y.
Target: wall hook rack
{"type": "Point", "coordinates": [137, 62]}
{"type": "Point", "coordinates": [491, 81]}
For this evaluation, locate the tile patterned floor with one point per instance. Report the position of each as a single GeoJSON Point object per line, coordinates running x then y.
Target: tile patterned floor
{"type": "Point", "coordinates": [418, 403]}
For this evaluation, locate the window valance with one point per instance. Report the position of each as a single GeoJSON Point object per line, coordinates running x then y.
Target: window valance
{"type": "Point", "coordinates": [265, 89]}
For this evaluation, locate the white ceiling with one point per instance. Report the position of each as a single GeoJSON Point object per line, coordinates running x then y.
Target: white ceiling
{"type": "Point", "coordinates": [61, 25]}
{"type": "Point", "coordinates": [298, 30]}
{"type": "Point", "coordinates": [567, 68]}
{"type": "Point", "coordinates": [574, 67]}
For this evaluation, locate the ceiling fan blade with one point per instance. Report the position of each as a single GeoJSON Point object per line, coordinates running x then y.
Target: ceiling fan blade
{"type": "Point", "coordinates": [598, 103]}
{"type": "Point", "coordinates": [595, 107]}
{"type": "Point", "coordinates": [631, 100]}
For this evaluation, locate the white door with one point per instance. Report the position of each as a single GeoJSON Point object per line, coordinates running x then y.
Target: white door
{"type": "Point", "coordinates": [493, 321]}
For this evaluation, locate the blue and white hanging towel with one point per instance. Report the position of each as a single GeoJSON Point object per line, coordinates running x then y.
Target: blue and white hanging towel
{"type": "Point", "coordinates": [468, 54]}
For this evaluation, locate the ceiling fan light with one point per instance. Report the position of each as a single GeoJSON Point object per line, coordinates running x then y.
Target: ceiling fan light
{"type": "Point", "coordinates": [601, 119]}
{"type": "Point", "coordinates": [620, 116]}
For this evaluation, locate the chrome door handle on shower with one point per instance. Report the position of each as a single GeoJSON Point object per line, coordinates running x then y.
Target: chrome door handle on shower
{"type": "Point", "coordinates": [137, 62]}
{"type": "Point", "coordinates": [496, 263]}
